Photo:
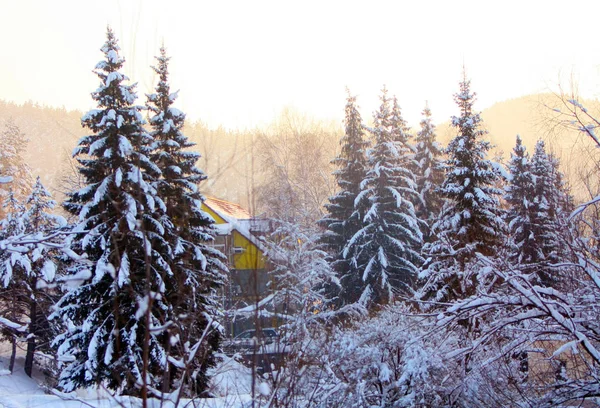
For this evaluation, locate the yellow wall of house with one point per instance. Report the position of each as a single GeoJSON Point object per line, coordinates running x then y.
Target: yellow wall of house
{"type": "Point", "coordinates": [217, 218]}
{"type": "Point", "coordinates": [251, 258]}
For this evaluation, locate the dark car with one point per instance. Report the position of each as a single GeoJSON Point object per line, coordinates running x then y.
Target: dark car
{"type": "Point", "coordinates": [250, 341]}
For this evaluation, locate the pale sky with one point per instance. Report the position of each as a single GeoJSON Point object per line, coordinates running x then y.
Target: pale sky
{"type": "Point", "coordinates": [238, 63]}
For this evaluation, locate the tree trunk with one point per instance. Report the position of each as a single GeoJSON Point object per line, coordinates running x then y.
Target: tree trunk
{"type": "Point", "coordinates": [13, 356]}
{"type": "Point", "coordinates": [11, 364]}
{"type": "Point", "coordinates": [31, 337]}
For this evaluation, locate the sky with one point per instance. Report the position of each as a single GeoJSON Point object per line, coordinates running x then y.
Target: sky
{"type": "Point", "coordinates": [237, 64]}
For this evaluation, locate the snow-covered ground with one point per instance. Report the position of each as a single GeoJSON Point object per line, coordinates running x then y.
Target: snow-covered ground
{"type": "Point", "coordinates": [231, 384]}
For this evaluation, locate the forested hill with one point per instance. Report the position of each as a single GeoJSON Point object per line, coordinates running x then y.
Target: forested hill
{"type": "Point", "coordinates": [52, 135]}
{"type": "Point", "coordinates": [532, 118]}
{"type": "Point", "coordinates": [527, 116]}
{"type": "Point", "coordinates": [54, 132]}
{"type": "Point", "coordinates": [227, 155]}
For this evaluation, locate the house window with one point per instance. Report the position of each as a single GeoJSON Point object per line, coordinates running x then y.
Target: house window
{"type": "Point", "coordinates": [220, 243]}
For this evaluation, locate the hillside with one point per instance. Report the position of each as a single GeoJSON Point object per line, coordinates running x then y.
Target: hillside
{"type": "Point", "coordinates": [531, 117]}
{"type": "Point", "coordinates": [54, 132]}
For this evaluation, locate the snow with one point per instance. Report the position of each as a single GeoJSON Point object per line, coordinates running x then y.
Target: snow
{"type": "Point", "coordinates": [231, 384]}
{"type": "Point", "coordinates": [264, 389]}
{"type": "Point", "coordinates": [569, 346]}
{"type": "Point", "coordinates": [112, 56]}
{"type": "Point", "coordinates": [8, 323]}
{"type": "Point", "coordinates": [78, 278]}
{"type": "Point", "coordinates": [48, 271]}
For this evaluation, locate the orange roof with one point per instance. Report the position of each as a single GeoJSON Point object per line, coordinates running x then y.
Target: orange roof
{"type": "Point", "coordinates": [227, 209]}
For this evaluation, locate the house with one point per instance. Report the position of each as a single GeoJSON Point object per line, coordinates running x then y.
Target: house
{"type": "Point", "coordinates": [239, 238]}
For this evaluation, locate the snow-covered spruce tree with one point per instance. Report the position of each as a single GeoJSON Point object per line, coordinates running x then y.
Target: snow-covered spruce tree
{"type": "Point", "coordinates": [13, 268]}
{"type": "Point", "coordinates": [406, 154]}
{"type": "Point", "coordinates": [343, 219]}
{"type": "Point", "coordinates": [430, 173]}
{"type": "Point", "coordinates": [401, 135]}
{"type": "Point", "coordinates": [114, 318]}
{"type": "Point", "coordinates": [551, 205]}
{"type": "Point", "coordinates": [564, 203]}
{"type": "Point", "coordinates": [386, 249]}
{"type": "Point", "coordinates": [470, 220]}
{"type": "Point", "coordinates": [197, 270]}
{"type": "Point", "coordinates": [43, 260]}
{"type": "Point", "coordinates": [522, 216]}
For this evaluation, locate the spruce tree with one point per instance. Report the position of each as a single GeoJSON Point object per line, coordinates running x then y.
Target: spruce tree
{"type": "Point", "coordinates": [538, 206]}
{"type": "Point", "coordinates": [551, 205]}
{"type": "Point", "coordinates": [430, 173]}
{"type": "Point", "coordinates": [115, 316]}
{"type": "Point", "coordinates": [198, 270]}
{"type": "Point", "coordinates": [521, 216]}
{"type": "Point", "coordinates": [401, 136]}
{"type": "Point", "coordinates": [386, 249]}
{"type": "Point", "coordinates": [470, 221]}
{"type": "Point", "coordinates": [406, 154]}
{"type": "Point", "coordinates": [13, 269]}
{"type": "Point", "coordinates": [43, 256]}
{"type": "Point", "coordinates": [343, 219]}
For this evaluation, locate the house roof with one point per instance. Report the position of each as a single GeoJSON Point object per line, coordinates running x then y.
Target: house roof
{"type": "Point", "coordinates": [236, 218]}
{"type": "Point", "coordinates": [227, 209]}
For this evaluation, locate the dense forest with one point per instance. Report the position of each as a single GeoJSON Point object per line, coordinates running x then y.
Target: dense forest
{"type": "Point", "coordinates": [454, 265]}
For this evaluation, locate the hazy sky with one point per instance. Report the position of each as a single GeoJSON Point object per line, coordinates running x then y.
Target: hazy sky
{"type": "Point", "coordinates": [237, 63]}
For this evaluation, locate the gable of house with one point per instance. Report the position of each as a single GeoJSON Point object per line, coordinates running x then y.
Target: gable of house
{"type": "Point", "coordinates": [245, 251]}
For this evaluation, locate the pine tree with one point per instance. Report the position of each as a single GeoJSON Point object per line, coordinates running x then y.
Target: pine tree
{"type": "Point", "coordinates": [115, 316]}
{"type": "Point", "coordinates": [343, 219]}
{"type": "Point", "coordinates": [387, 247]}
{"type": "Point", "coordinates": [198, 270]}
{"type": "Point", "coordinates": [430, 173]}
{"type": "Point", "coordinates": [470, 220]}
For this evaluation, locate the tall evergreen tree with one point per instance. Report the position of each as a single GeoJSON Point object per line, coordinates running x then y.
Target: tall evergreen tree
{"type": "Point", "coordinates": [39, 221]}
{"type": "Point", "coordinates": [401, 136]}
{"type": "Point", "coordinates": [198, 270]}
{"type": "Point", "coordinates": [551, 205]}
{"type": "Point", "coordinates": [13, 269]}
{"type": "Point", "coordinates": [563, 202]}
{"type": "Point", "coordinates": [521, 216]}
{"type": "Point", "coordinates": [430, 173]}
{"type": "Point", "coordinates": [406, 153]}
{"type": "Point", "coordinates": [386, 249]}
{"type": "Point", "coordinates": [115, 316]}
{"type": "Point", "coordinates": [470, 221]}
{"type": "Point", "coordinates": [536, 217]}
{"type": "Point", "coordinates": [343, 219]}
